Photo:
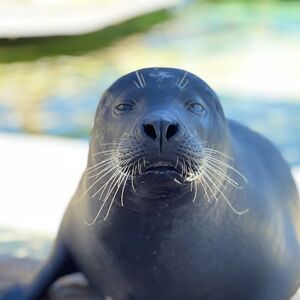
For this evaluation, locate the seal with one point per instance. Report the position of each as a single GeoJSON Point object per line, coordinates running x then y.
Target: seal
{"type": "Point", "coordinates": [177, 202]}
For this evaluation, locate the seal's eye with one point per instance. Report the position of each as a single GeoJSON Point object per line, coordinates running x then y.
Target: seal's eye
{"type": "Point", "coordinates": [123, 108]}
{"type": "Point", "coordinates": [195, 107]}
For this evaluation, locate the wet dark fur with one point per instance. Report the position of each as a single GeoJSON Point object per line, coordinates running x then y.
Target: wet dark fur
{"type": "Point", "coordinates": [176, 202]}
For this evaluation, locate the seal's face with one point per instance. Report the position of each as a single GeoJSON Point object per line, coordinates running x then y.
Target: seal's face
{"type": "Point", "coordinates": [153, 130]}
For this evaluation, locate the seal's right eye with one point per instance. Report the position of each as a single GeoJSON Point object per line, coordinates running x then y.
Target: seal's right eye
{"type": "Point", "coordinates": [123, 108]}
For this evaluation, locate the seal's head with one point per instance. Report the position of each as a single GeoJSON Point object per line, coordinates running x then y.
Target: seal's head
{"type": "Point", "coordinates": [155, 131]}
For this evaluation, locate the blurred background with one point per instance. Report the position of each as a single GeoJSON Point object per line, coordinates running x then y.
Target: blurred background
{"type": "Point", "coordinates": [57, 58]}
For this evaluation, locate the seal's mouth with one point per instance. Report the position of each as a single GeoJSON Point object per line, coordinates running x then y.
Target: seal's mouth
{"type": "Point", "coordinates": [161, 179]}
{"type": "Point", "coordinates": [161, 167]}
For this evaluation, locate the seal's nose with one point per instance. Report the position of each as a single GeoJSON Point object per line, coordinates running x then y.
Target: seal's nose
{"type": "Point", "coordinates": [150, 130]}
{"type": "Point", "coordinates": [162, 130]}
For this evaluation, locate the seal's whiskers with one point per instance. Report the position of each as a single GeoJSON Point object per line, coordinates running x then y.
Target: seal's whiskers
{"type": "Point", "coordinates": [210, 190]}
{"type": "Point", "coordinates": [213, 151]}
{"type": "Point", "coordinates": [195, 194]}
{"type": "Point", "coordinates": [118, 170]}
{"type": "Point", "coordinates": [123, 189]}
{"type": "Point", "coordinates": [209, 168]}
{"type": "Point", "coordinates": [98, 165]}
{"type": "Point", "coordinates": [217, 188]}
{"type": "Point", "coordinates": [116, 180]}
{"type": "Point", "coordinates": [103, 187]}
{"type": "Point", "coordinates": [214, 176]}
{"type": "Point", "coordinates": [199, 165]}
{"type": "Point", "coordinates": [182, 82]}
{"type": "Point", "coordinates": [93, 184]}
{"type": "Point", "coordinates": [119, 183]}
{"type": "Point", "coordinates": [132, 177]}
{"type": "Point", "coordinates": [114, 183]}
{"type": "Point", "coordinates": [109, 166]}
{"type": "Point", "coordinates": [111, 151]}
{"type": "Point", "coordinates": [204, 184]}
{"type": "Point", "coordinates": [141, 81]}
{"type": "Point", "coordinates": [222, 174]}
{"type": "Point", "coordinates": [227, 166]}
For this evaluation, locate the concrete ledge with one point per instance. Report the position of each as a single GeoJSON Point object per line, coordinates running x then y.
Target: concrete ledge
{"type": "Point", "coordinates": [38, 177]}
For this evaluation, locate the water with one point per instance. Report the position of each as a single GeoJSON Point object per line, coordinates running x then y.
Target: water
{"type": "Point", "coordinates": [279, 121]}
{"type": "Point", "coordinates": [52, 86]}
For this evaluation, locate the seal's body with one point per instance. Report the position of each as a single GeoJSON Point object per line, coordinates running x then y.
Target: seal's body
{"type": "Point", "coordinates": [177, 202]}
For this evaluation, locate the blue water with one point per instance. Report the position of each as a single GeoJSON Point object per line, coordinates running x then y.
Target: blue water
{"type": "Point", "coordinates": [278, 121]}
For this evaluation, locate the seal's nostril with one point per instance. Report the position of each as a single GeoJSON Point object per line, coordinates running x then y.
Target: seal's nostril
{"type": "Point", "coordinates": [150, 131]}
{"type": "Point", "coordinates": [171, 131]}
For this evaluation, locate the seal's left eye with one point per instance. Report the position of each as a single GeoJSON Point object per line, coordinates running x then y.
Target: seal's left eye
{"type": "Point", "coordinates": [123, 107]}
{"type": "Point", "coordinates": [196, 107]}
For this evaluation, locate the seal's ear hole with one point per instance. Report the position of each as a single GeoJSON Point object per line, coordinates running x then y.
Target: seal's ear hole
{"type": "Point", "coordinates": [171, 131]}
{"type": "Point", "coordinates": [150, 131]}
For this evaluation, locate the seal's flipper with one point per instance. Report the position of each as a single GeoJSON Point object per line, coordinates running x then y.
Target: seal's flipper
{"type": "Point", "coordinates": [59, 264]}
